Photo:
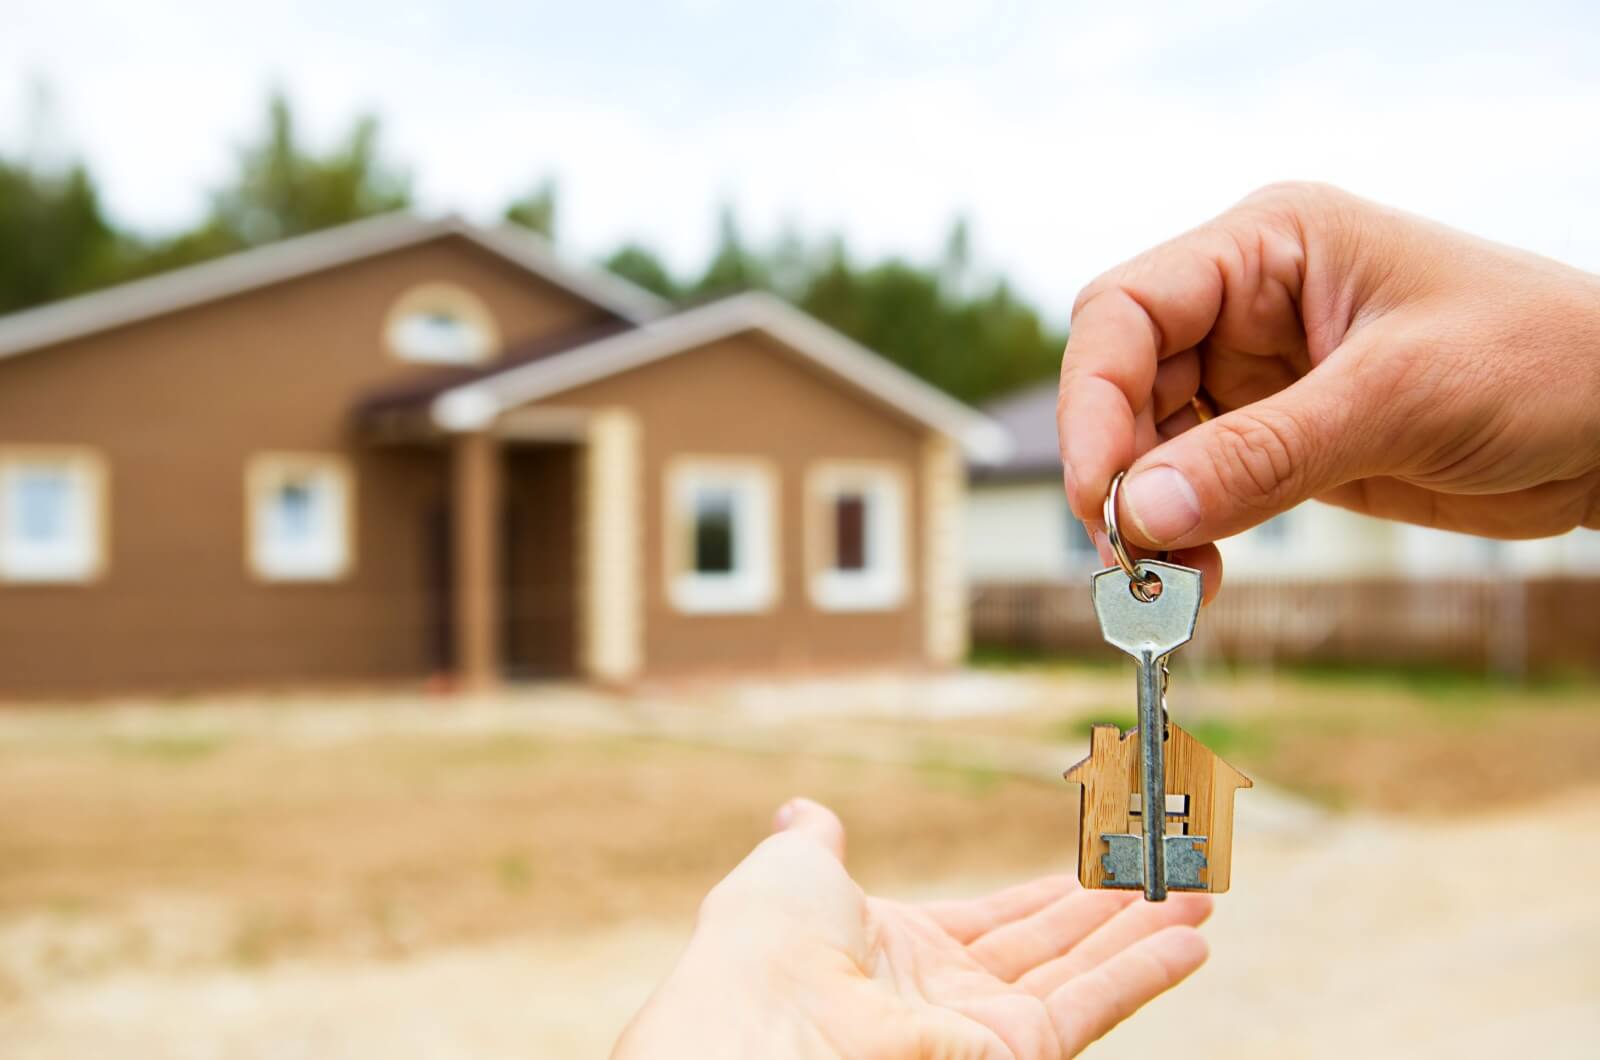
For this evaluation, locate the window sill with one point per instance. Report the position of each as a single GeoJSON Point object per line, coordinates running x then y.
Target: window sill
{"type": "Point", "coordinates": [694, 596]}
{"type": "Point", "coordinates": [829, 594]}
{"type": "Point", "coordinates": [23, 580]}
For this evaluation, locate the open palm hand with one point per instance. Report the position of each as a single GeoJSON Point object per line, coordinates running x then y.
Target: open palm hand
{"type": "Point", "coordinates": [790, 959]}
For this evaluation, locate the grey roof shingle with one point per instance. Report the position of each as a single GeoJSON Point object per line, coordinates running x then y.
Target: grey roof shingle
{"type": "Point", "coordinates": [1028, 416]}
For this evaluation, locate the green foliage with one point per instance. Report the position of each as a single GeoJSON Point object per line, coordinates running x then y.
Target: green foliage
{"type": "Point", "coordinates": [734, 267]}
{"type": "Point", "coordinates": [1240, 739]}
{"type": "Point", "coordinates": [281, 190]}
{"type": "Point", "coordinates": [55, 237]}
{"type": "Point", "coordinates": [639, 264]}
{"type": "Point", "coordinates": [973, 778]}
{"type": "Point", "coordinates": [972, 337]}
{"type": "Point", "coordinates": [965, 333]}
{"type": "Point", "coordinates": [537, 209]}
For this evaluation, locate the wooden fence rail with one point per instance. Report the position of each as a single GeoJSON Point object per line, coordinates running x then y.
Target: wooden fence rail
{"type": "Point", "coordinates": [1508, 626]}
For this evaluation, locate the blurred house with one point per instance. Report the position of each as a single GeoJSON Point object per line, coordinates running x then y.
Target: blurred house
{"type": "Point", "coordinates": [1315, 584]}
{"type": "Point", "coordinates": [1020, 501]}
{"type": "Point", "coordinates": [408, 447]}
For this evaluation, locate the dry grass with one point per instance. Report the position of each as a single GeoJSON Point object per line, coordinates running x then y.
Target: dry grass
{"type": "Point", "coordinates": [174, 845]}
{"type": "Point", "coordinates": [179, 852]}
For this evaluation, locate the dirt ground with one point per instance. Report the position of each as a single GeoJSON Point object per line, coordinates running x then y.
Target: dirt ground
{"type": "Point", "coordinates": [397, 877]}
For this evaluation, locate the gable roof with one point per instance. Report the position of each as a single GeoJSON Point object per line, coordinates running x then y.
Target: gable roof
{"type": "Point", "coordinates": [248, 270]}
{"type": "Point", "coordinates": [471, 405]}
{"type": "Point", "coordinates": [1028, 416]}
{"type": "Point", "coordinates": [1108, 742]}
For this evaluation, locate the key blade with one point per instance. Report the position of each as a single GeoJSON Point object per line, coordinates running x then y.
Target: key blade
{"type": "Point", "coordinates": [1156, 627]}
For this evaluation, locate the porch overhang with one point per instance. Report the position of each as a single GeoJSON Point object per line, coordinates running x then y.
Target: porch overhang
{"type": "Point", "coordinates": [478, 403]}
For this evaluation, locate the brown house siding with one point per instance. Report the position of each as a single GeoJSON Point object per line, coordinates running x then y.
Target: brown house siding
{"type": "Point", "coordinates": [747, 396]}
{"type": "Point", "coordinates": [176, 406]}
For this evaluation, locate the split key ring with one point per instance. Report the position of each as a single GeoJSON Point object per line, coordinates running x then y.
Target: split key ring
{"type": "Point", "coordinates": [1146, 585]}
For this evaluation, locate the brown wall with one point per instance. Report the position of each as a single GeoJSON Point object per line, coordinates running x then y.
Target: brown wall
{"type": "Point", "coordinates": [748, 396]}
{"type": "Point", "coordinates": [176, 406]}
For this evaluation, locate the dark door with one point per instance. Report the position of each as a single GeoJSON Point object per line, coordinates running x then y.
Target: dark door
{"type": "Point", "coordinates": [441, 581]}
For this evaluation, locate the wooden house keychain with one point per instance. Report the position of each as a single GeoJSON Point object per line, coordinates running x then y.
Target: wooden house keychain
{"type": "Point", "coordinates": [1157, 807]}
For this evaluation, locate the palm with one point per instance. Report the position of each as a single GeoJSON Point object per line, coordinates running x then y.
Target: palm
{"type": "Point", "coordinates": [790, 959]}
{"type": "Point", "coordinates": [1036, 971]}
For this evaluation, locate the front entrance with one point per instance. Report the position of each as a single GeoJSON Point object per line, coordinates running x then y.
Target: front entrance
{"type": "Point", "coordinates": [538, 596]}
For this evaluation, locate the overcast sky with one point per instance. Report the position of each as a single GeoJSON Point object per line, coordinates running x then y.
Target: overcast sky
{"type": "Point", "coordinates": [1073, 135]}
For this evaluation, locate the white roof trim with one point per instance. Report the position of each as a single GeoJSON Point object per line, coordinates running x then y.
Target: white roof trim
{"type": "Point", "coordinates": [247, 270]}
{"type": "Point", "coordinates": [474, 405]}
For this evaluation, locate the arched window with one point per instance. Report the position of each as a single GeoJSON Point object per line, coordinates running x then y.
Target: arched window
{"type": "Point", "coordinates": [438, 323]}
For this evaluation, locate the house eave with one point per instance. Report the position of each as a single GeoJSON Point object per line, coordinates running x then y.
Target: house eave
{"type": "Point", "coordinates": [471, 405]}
{"type": "Point", "coordinates": [196, 285]}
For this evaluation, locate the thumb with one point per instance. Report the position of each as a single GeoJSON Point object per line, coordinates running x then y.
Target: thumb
{"type": "Point", "coordinates": [793, 880]}
{"type": "Point", "coordinates": [804, 817]}
{"type": "Point", "coordinates": [1242, 468]}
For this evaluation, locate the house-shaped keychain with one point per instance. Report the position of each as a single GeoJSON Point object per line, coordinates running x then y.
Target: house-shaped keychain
{"type": "Point", "coordinates": [1199, 803]}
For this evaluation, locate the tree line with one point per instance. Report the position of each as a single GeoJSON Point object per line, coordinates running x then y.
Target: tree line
{"type": "Point", "coordinates": [965, 332]}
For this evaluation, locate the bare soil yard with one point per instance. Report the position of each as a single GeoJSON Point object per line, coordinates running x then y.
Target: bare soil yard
{"type": "Point", "coordinates": [403, 877]}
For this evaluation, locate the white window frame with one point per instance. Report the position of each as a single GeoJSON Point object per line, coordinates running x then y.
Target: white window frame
{"type": "Point", "coordinates": [333, 557]}
{"type": "Point", "coordinates": [78, 560]}
{"type": "Point", "coordinates": [753, 585]}
{"type": "Point", "coordinates": [447, 298]}
{"type": "Point", "coordinates": [882, 584]}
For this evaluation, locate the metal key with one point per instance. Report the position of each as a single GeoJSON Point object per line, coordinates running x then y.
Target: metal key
{"type": "Point", "coordinates": [1148, 613]}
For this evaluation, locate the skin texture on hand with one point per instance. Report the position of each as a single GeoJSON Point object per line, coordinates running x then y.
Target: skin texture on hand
{"type": "Point", "coordinates": [790, 959]}
{"type": "Point", "coordinates": [1354, 354]}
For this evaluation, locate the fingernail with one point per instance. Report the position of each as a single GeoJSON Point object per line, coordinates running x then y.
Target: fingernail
{"type": "Point", "coordinates": [1162, 504]}
{"type": "Point", "coordinates": [784, 817]}
{"type": "Point", "coordinates": [1102, 545]}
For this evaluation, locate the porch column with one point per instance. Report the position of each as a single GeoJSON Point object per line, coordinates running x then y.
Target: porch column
{"type": "Point", "coordinates": [611, 632]}
{"type": "Point", "coordinates": [944, 584]}
{"type": "Point", "coordinates": [476, 517]}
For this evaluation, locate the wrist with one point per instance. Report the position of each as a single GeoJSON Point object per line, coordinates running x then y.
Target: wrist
{"type": "Point", "coordinates": [725, 998]}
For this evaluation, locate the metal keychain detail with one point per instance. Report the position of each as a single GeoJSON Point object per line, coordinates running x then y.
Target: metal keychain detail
{"type": "Point", "coordinates": [1148, 608]}
{"type": "Point", "coordinates": [1145, 585]}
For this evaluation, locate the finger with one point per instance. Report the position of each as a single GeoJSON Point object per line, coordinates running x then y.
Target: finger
{"type": "Point", "coordinates": [792, 885]}
{"type": "Point", "coordinates": [1180, 421]}
{"type": "Point", "coordinates": [1109, 368]}
{"type": "Point", "coordinates": [1539, 511]}
{"type": "Point", "coordinates": [1135, 922]}
{"type": "Point", "coordinates": [1237, 279]}
{"type": "Point", "coordinates": [1177, 381]}
{"type": "Point", "coordinates": [1013, 950]}
{"type": "Point", "coordinates": [805, 817]}
{"type": "Point", "coordinates": [1206, 559]}
{"type": "Point", "coordinates": [1240, 469]}
{"type": "Point", "coordinates": [966, 920]}
{"type": "Point", "coordinates": [1088, 1006]}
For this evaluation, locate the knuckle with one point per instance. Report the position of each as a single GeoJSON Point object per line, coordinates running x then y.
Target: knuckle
{"type": "Point", "coordinates": [1092, 290]}
{"type": "Point", "coordinates": [1309, 195]}
{"type": "Point", "coordinates": [1257, 460]}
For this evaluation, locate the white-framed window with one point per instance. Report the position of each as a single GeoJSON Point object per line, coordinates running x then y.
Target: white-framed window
{"type": "Point", "coordinates": [300, 517]}
{"type": "Point", "coordinates": [439, 323]}
{"type": "Point", "coordinates": [857, 536]}
{"type": "Point", "coordinates": [721, 521]}
{"type": "Point", "coordinates": [52, 515]}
